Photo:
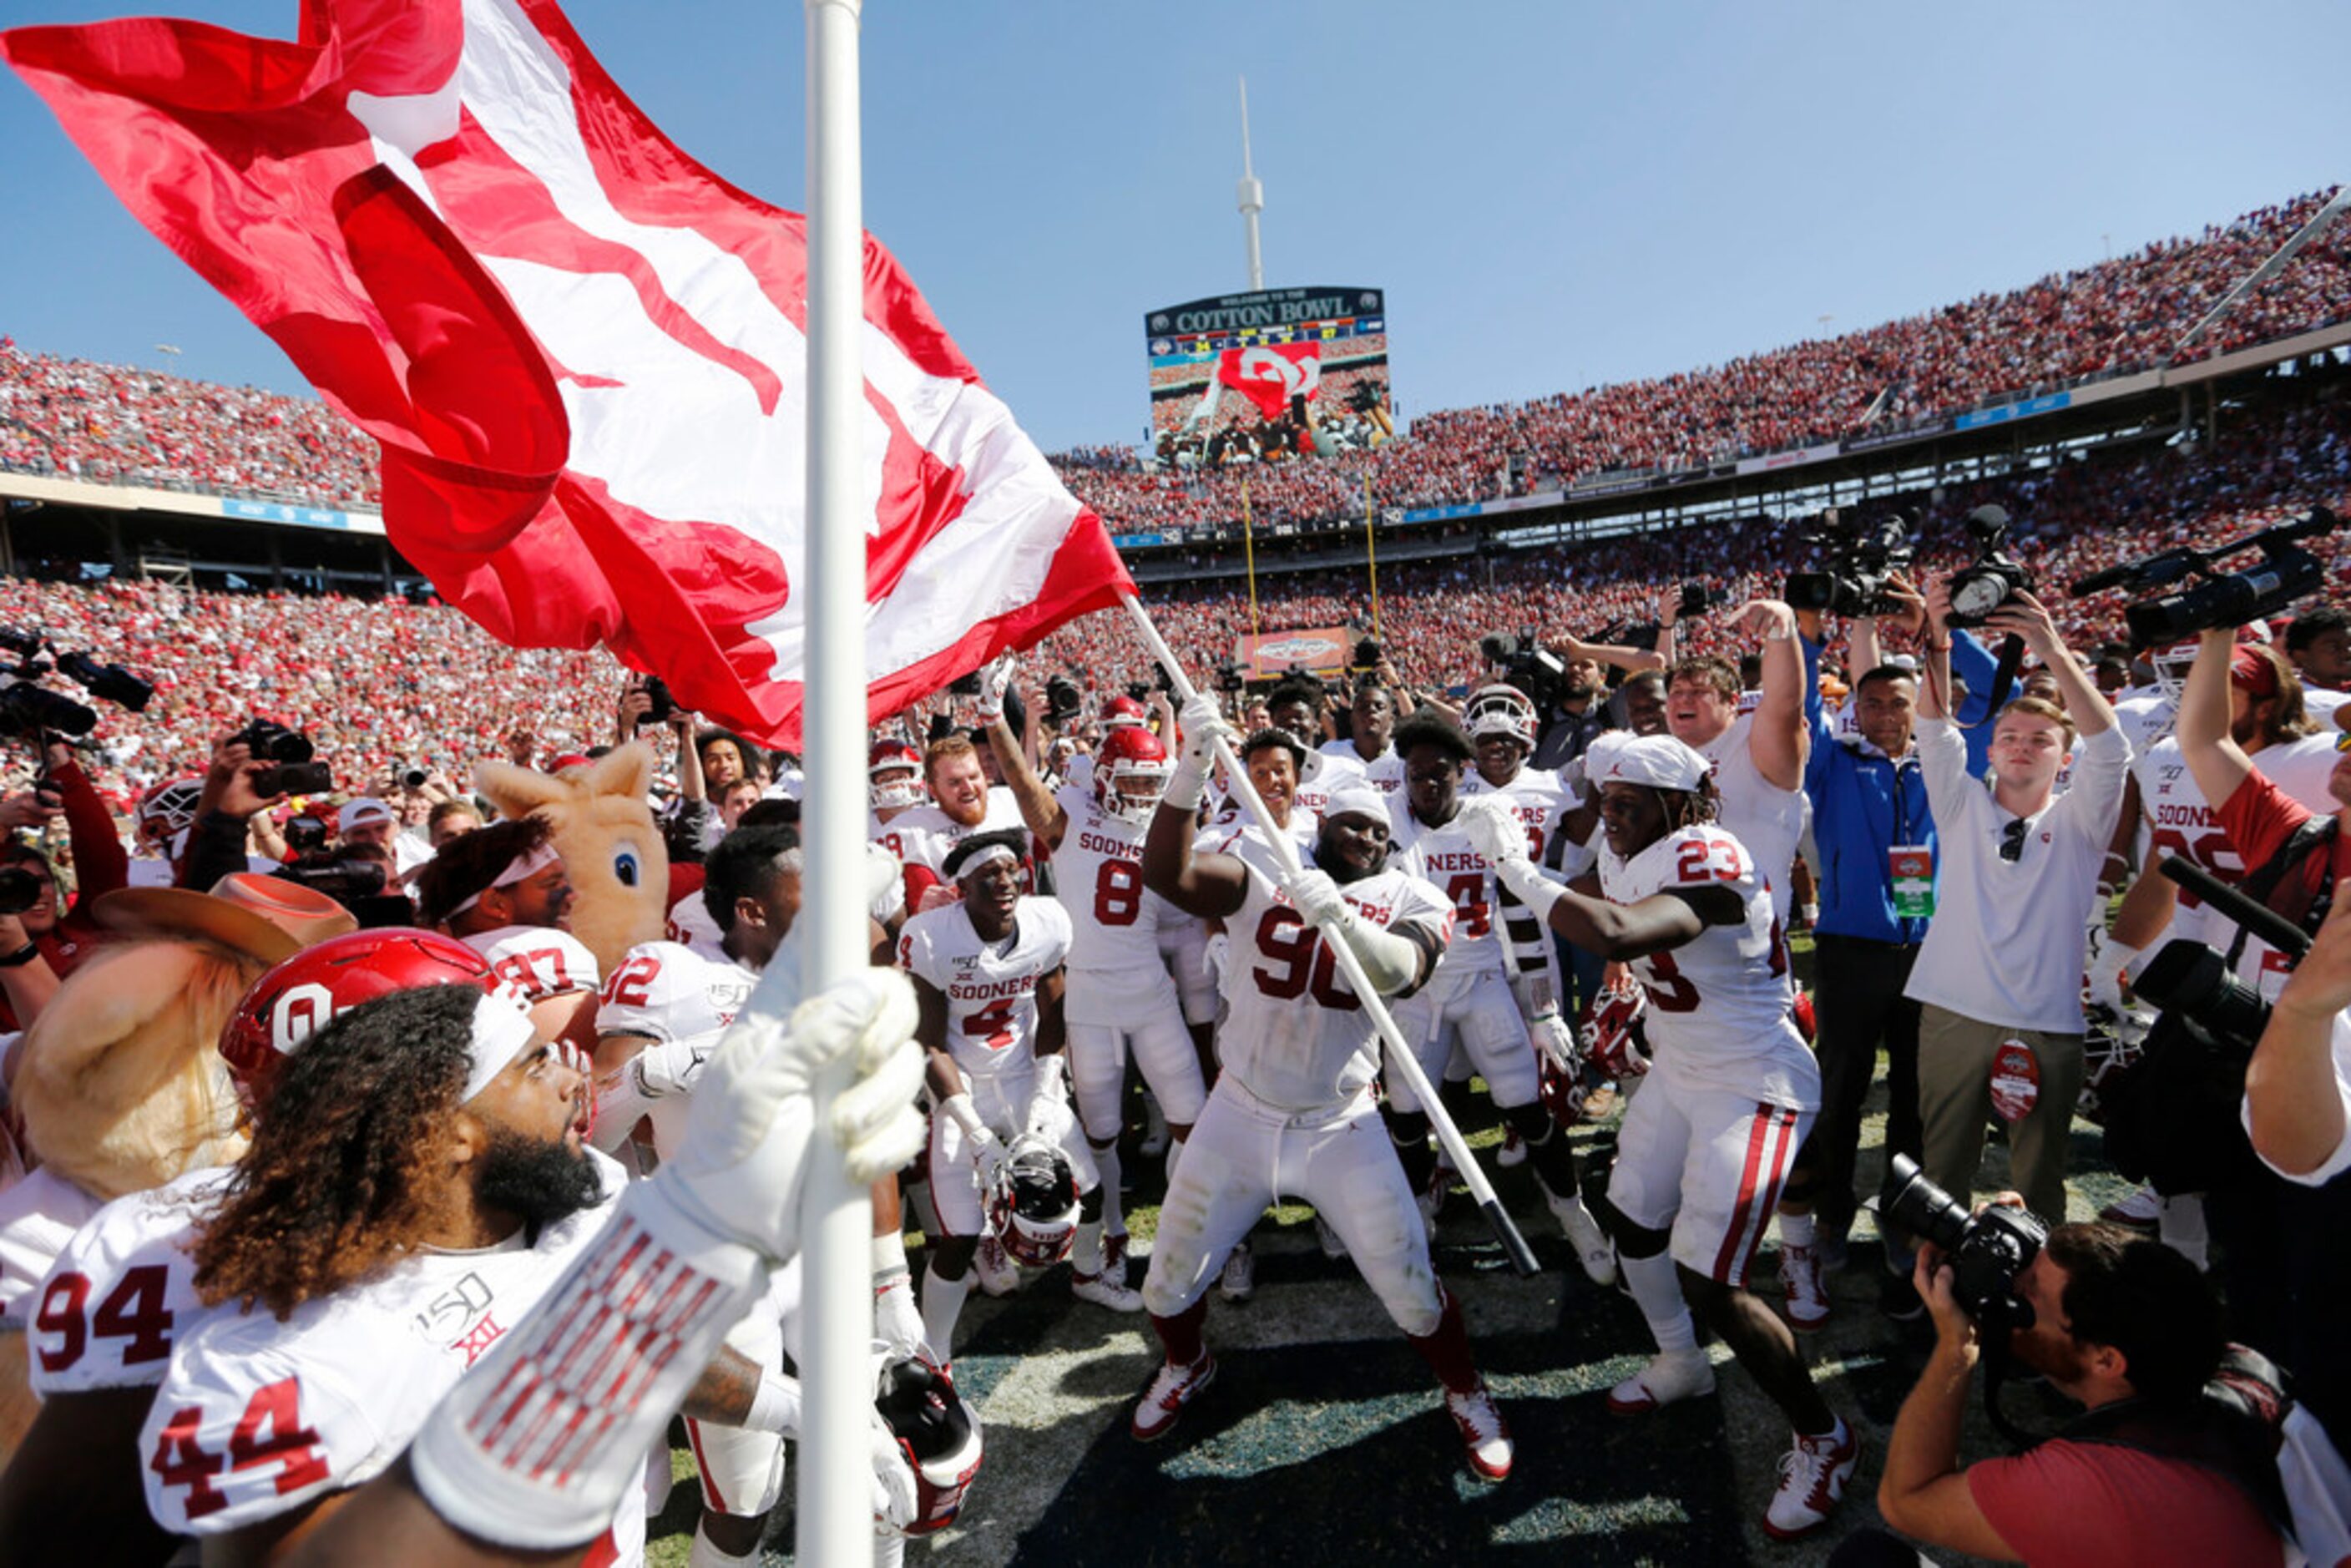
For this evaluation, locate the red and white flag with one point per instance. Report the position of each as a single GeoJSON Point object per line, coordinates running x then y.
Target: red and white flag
{"type": "Point", "coordinates": [584, 354]}
{"type": "Point", "coordinates": [1270, 374]}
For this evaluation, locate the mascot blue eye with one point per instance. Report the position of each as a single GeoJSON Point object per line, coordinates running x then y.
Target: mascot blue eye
{"type": "Point", "coordinates": [624, 866]}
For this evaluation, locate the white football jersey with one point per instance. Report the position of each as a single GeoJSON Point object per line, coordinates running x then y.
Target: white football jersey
{"type": "Point", "coordinates": [1443, 858]}
{"type": "Point", "coordinates": [1717, 1014]}
{"type": "Point", "coordinates": [2146, 719]}
{"type": "Point", "coordinates": [1383, 772]}
{"type": "Point", "coordinates": [690, 926]}
{"type": "Point", "coordinates": [1113, 919]}
{"type": "Point", "coordinates": [123, 1291]}
{"type": "Point", "coordinates": [664, 992]}
{"type": "Point", "coordinates": [924, 834]}
{"type": "Point", "coordinates": [1766, 821]}
{"type": "Point", "coordinates": [991, 988]}
{"type": "Point", "coordinates": [2176, 819]}
{"type": "Point", "coordinates": [539, 961]}
{"type": "Point", "coordinates": [37, 1217]}
{"type": "Point", "coordinates": [256, 1416]}
{"type": "Point", "coordinates": [1296, 1035]}
{"type": "Point", "coordinates": [1540, 795]}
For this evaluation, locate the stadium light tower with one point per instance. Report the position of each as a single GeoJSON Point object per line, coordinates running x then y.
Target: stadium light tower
{"type": "Point", "coordinates": [1252, 199]}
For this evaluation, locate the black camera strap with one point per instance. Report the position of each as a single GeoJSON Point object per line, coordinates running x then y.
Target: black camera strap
{"type": "Point", "coordinates": [2311, 906]}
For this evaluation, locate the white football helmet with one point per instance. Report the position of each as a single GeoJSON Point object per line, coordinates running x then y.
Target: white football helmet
{"type": "Point", "coordinates": [2171, 666]}
{"type": "Point", "coordinates": [1501, 710]}
{"type": "Point", "coordinates": [893, 775]}
{"type": "Point", "coordinates": [937, 1434]}
{"type": "Point", "coordinates": [1032, 1203]}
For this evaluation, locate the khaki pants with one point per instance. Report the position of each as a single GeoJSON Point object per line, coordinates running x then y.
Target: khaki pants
{"type": "Point", "coordinates": [1955, 1103]}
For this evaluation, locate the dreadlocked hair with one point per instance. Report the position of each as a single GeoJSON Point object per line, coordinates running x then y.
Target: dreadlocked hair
{"type": "Point", "coordinates": [464, 867]}
{"type": "Point", "coordinates": [346, 1172]}
{"type": "Point", "coordinates": [1689, 808]}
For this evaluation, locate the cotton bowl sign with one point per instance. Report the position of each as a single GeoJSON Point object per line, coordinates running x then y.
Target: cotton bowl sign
{"type": "Point", "coordinates": [1321, 649]}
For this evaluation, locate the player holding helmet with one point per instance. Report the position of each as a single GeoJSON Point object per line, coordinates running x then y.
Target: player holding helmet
{"type": "Point", "coordinates": [1121, 997]}
{"type": "Point", "coordinates": [1292, 1114]}
{"type": "Point", "coordinates": [1710, 1139]}
{"type": "Point", "coordinates": [989, 974]}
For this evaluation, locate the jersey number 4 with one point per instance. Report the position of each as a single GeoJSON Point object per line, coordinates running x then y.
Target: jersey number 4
{"type": "Point", "coordinates": [1306, 962]}
{"type": "Point", "coordinates": [274, 1410]}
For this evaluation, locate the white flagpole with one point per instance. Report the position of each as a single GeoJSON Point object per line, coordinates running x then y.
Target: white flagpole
{"type": "Point", "coordinates": [835, 1482]}
{"type": "Point", "coordinates": [1398, 1057]}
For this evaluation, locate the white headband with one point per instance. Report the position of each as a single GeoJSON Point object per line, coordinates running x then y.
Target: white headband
{"type": "Point", "coordinates": [518, 868]}
{"type": "Point", "coordinates": [503, 1031]}
{"type": "Point", "coordinates": [986, 857]}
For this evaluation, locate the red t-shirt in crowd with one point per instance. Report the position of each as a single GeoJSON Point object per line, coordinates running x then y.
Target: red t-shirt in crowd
{"type": "Point", "coordinates": [2096, 1505]}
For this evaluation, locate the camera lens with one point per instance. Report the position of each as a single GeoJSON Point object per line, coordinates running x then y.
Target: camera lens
{"type": "Point", "coordinates": [19, 890]}
{"type": "Point", "coordinates": [1920, 1206]}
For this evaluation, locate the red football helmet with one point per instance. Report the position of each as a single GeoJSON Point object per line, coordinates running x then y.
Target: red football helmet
{"type": "Point", "coordinates": [293, 1000]}
{"type": "Point", "coordinates": [1032, 1204]}
{"type": "Point", "coordinates": [893, 775]}
{"type": "Point", "coordinates": [169, 810]}
{"type": "Point", "coordinates": [1130, 771]}
{"type": "Point", "coordinates": [1502, 710]}
{"type": "Point", "coordinates": [1121, 711]}
{"type": "Point", "coordinates": [1611, 1034]}
{"type": "Point", "coordinates": [937, 1434]}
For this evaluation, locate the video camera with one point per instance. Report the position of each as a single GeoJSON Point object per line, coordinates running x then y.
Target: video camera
{"type": "Point", "coordinates": [1987, 1250]}
{"type": "Point", "coordinates": [1527, 664]}
{"type": "Point", "coordinates": [2286, 573]}
{"type": "Point", "coordinates": [664, 704]}
{"type": "Point", "coordinates": [289, 754]}
{"type": "Point", "coordinates": [1855, 559]}
{"type": "Point", "coordinates": [34, 711]}
{"type": "Point", "coordinates": [1978, 589]}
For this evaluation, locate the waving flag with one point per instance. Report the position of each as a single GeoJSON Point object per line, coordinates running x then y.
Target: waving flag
{"type": "Point", "coordinates": [1269, 375]}
{"type": "Point", "coordinates": [584, 355]}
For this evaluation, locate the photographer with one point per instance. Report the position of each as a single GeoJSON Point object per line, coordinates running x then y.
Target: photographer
{"type": "Point", "coordinates": [1581, 712]}
{"type": "Point", "coordinates": [1999, 973]}
{"type": "Point", "coordinates": [2125, 1326]}
{"type": "Point", "coordinates": [65, 936]}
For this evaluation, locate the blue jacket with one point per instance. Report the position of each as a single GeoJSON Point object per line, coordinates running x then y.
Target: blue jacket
{"type": "Point", "coordinates": [1865, 803]}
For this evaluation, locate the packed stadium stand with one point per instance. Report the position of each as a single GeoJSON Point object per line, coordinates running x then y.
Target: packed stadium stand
{"type": "Point", "coordinates": [2277, 446]}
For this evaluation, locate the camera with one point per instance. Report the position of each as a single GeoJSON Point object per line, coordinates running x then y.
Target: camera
{"type": "Point", "coordinates": [1229, 678]}
{"type": "Point", "coordinates": [2285, 573]}
{"type": "Point", "coordinates": [664, 704]}
{"type": "Point", "coordinates": [289, 754]}
{"type": "Point", "coordinates": [1978, 589]}
{"type": "Point", "coordinates": [964, 685]}
{"type": "Point", "coordinates": [1856, 559]}
{"type": "Point", "coordinates": [2192, 981]}
{"type": "Point", "coordinates": [1062, 700]}
{"type": "Point", "coordinates": [1368, 654]}
{"type": "Point", "coordinates": [1527, 664]}
{"type": "Point", "coordinates": [413, 777]}
{"type": "Point", "coordinates": [108, 682]}
{"type": "Point", "coordinates": [1696, 600]}
{"type": "Point", "coordinates": [1987, 1250]}
{"type": "Point", "coordinates": [33, 709]}
{"type": "Point", "coordinates": [19, 890]}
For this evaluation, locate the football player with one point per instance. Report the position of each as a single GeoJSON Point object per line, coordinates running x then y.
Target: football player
{"type": "Point", "coordinates": [989, 974]}
{"type": "Point", "coordinates": [502, 891]}
{"type": "Point", "coordinates": [1707, 1142]}
{"type": "Point", "coordinates": [1120, 996]}
{"type": "Point", "coordinates": [123, 1290]}
{"type": "Point", "coordinates": [1371, 721]}
{"type": "Point", "coordinates": [1292, 1113]}
{"type": "Point", "coordinates": [962, 804]}
{"type": "Point", "coordinates": [1468, 998]}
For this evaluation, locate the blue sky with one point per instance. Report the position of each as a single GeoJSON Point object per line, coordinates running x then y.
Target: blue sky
{"type": "Point", "coordinates": [1552, 194]}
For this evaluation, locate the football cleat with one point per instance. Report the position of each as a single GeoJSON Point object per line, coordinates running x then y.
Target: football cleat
{"type": "Point", "coordinates": [1807, 1292]}
{"type": "Point", "coordinates": [1240, 1281]}
{"type": "Point", "coordinates": [1172, 1388]}
{"type": "Point", "coordinates": [1594, 1251]}
{"type": "Point", "coordinates": [1106, 1290]}
{"type": "Point", "coordinates": [1812, 1482]}
{"type": "Point", "coordinates": [2141, 1210]}
{"type": "Point", "coordinates": [1514, 1148]}
{"type": "Point", "coordinates": [1673, 1374]}
{"type": "Point", "coordinates": [1485, 1436]}
{"type": "Point", "coordinates": [1333, 1248]}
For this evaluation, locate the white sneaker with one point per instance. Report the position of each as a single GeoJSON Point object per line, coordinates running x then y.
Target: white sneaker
{"type": "Point", "coordinates": [1592, 1247]}
{"type": "Point", "coordinates": [1333, 1247]}
{"type": "Point", "coordinates": [1674, 1374]}
{"type": "Point", "coordinates": [1514, 1149]}
{"type": "Point", "coordinates": [1240, 1281]}
{"type": "Point", "coordinates": [999, 1274]}
{"type": "Point", "coordinates": [1106, 1290]}
{"type": "Point", "coordinates": [1807, 1293]}
{"type": "Point", "coordinates": [1114, 1256]}
{"type": "Point", "coordinates": [1812, 1482]}
{"type": "Point", "coordinates": [1485, 1436]}
{"type": "Point", "coordinates": [1172, 1388]}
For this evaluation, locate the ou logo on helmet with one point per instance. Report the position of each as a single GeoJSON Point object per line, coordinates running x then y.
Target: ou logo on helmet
{"type": "Point", "coordinates": [302, 1011]}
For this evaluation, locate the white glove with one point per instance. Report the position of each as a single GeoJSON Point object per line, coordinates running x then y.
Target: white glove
{"type": "Point", "coordinates": [894, 1482]}
{"type": "Point", "coordinates": [1048, 1110]}
{"type": "Point", "coordinates": [995, 677]}
{"type": "Point", "coordinates": [745, 1146]}
{"type": "Point", "coordinates": [1494, 830]}
{"type": "Point", "coordinates": [1317, 898]}
{"type": "Point", "coordinates": [2109, 959]}
{"type": "Point", "coordinates": [672, 1066]}
{"type": "Point", "coordinates": [1557, 1042]}
{"type": "Point", "coordinates": [1203, 727]}
{"type": "Point", "coordinates": [986, 1152]}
